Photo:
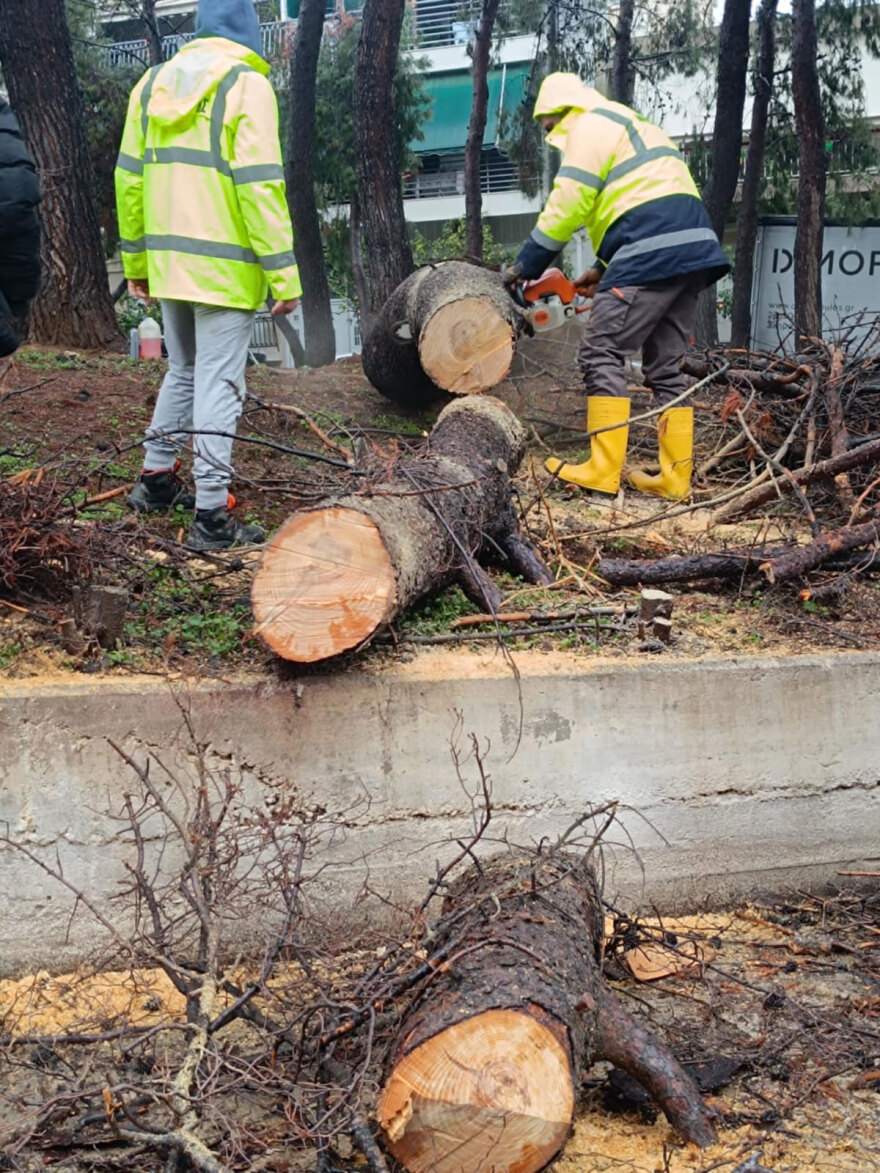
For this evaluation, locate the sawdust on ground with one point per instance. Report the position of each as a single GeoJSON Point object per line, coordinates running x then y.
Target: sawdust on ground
{"type": "Point", "coordinates": [791, 1109]}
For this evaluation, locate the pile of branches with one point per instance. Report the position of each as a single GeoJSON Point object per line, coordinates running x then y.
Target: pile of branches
{"type": "Point", "coordinates": [243, 1059]}
{"type": "Point", "coordinates": [41, 551]}
{"type": "Point", "coordinates": [785, 438]}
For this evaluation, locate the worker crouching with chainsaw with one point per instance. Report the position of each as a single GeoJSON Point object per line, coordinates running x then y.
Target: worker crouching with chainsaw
{"type": "Point", "coordinates": [205, 229]}
{"type": "Point", "coordinates": [625, 181]}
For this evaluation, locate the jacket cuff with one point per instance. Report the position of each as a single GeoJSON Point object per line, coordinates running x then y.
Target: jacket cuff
{"type": "Point", "coordinates": [285, 285]}
{"type": "Point", "coordinates": [134, 266]}
{"type": "Point", "coordinates": [534, 258]}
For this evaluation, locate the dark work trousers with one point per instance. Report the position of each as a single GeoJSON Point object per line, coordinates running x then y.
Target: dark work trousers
{"type": "Point", "coordinates": [656, 319]}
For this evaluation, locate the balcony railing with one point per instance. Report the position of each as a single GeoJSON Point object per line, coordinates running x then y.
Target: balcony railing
{"type": "Point", "coordinates": [277, 37]}
{"type": "Point", "coordinates": [448, 22]}
{"type": "Point", "coordinates": [497, 174]}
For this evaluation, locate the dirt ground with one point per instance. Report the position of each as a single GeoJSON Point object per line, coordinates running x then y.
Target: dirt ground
{"type": "Point", "coordinates": [780, 1024]}
{"type": "Point", "coordinates": [79, 419]}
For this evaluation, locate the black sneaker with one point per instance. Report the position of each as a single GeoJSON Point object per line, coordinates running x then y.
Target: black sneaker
{"type": "Point", "coordinates": [160, 489]}
{"type": "Point", "coordinates": [214, 529]}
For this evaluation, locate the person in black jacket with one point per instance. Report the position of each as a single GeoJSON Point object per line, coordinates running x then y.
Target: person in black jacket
{"type": "Point", "coordinates": [19, 229]}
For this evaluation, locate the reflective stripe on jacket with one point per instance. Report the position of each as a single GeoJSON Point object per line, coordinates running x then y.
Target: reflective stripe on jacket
{"type": "Point", "coordinates": [624, 180]}
{"type": "Point", "coordinates": [200, 183]}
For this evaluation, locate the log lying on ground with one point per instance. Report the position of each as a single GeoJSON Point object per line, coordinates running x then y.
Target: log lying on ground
{"type": "Point", "coordinates": [789, 564]}
{"type": "Point", "coordinates": [333, 576]}
{"type": "Point", "coordinates": [487, 1063]}
{"type": "Point", "coordinates": [450, 327]}
{"type": "Point", "coordinates": [779, 564]}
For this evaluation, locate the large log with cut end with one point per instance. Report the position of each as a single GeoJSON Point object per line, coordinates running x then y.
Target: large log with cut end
{"type": "Point", "coordinates": [450, 327]}
{"type": "Point", "coordinates": [484, 1073]}
{"type": "Point", "coordinates": [332, 576]}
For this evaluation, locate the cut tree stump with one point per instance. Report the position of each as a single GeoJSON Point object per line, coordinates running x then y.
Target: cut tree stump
{"type": "Point", "coordinates": [485, 1069]}
{"type": "Point", "coordinates": [334, 575]}
{"type": "Point", "coordinates": [449, 328]}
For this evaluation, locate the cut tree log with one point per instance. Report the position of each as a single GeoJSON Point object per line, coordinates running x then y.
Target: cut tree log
{"type": "Point", "coordinates": [335, 575]}
{"type": "Point", "coordinates": [486, 1065]}
{"type": "Point", "coordinates": [450, 327]}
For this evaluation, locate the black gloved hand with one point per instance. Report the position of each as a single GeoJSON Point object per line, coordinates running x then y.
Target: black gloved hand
{"type": "Point", "coordinates": [512, 275]}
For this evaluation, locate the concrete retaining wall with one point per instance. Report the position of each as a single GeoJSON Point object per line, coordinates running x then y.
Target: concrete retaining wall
{"type": "Point", "coordinates": [734, 776]}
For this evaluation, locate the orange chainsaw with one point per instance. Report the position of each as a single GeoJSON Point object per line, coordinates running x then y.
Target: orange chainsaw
{"type": "Point", "coordinates": [551, 299]}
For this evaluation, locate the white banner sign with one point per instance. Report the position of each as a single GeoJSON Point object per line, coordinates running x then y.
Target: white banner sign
{"type": "Point", "coordinates": [850, 282]}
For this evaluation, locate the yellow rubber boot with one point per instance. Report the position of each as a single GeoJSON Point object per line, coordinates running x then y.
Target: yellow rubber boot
{"type": "Point", "coordinates": [601, 472]}
{"type": "Point", "coordinates": [675, 436]}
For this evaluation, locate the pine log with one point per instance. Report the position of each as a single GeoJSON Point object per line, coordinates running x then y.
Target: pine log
{"type": "Point", "coordinates": [685, 568]}
{"type": "Point", "coordinates": [793, 563]}
{"type": "Point", "coordinates": [485, 1068]}
{"type": "Point", "coordinates": [450, 327]}
{"type": "Point", "coordinates": [335, 575]}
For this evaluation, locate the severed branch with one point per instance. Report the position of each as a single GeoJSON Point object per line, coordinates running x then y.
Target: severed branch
{"type": "Point", "coordinates": [823, 470]}
{"type": "Point", "coordinates": [790, 564]}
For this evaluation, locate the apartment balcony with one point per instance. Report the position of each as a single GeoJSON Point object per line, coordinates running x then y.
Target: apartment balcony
{"type": "Point", "coordinates": [444, 176]}
{"type": "Point", "coordinates": [451, 22]}
{"type": "Point", "coordinates": [277, 38]}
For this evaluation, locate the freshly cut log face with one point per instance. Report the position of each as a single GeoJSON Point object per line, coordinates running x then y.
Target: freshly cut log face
{"type": "Point", "coordinates": [483, 1069]}
{"type": "Point", "coordinates": [335, 574]}
{"type": "Point", "coordinates": [497, 1088]}
{"type": "Point", "coordinates": [448, 328]}
{"type": "Point", "coordinates": [326, 582]}
{"type": "Point", "coordinates": [466, 347]}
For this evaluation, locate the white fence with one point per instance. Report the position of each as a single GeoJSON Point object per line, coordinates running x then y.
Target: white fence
{"type": "Point", "coordinates": [268, 341]}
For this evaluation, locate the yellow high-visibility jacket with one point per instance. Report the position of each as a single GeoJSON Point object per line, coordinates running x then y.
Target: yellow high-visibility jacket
{"type": "Point", "coordinates": [625, 181]}
{"type": "Point", "coordinates": [200, 184]}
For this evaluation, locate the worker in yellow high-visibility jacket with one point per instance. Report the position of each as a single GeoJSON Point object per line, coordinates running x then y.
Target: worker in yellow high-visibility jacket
{"type": "Point", "coordinates": [205, 228]}
{"type": "Point", "coordinates": [625, 181]}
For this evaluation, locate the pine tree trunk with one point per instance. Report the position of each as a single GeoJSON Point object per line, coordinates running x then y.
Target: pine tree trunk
{"type": "Point", "coordinates": [720, 189]}
{"type": "Point", "coordinates": [73, 307]}
{"type": "Point", "coordinates": [151, 28]}
{"type": "Point", "coordinates": [744, 266]}
{"type": "Point", "coordinates": [356, 249]}
{"type": "Point", "coordinates": [622, 78]}
{"type": "Point", "coordinates": [320, 337]}
{"type": "Point", "coordinates": [810, 127]}
{"type": "Point", "coordinates": [389, 256]}
{"type": "Point", "coordinates": [473, 196]}
{"type": "Point", "coordinates": [333, 576]}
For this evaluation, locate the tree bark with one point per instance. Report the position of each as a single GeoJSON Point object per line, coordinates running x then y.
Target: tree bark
{"type": "Point", "coordinates": [720, 189]}
{"type": "Point", "coordinates": [356, 247]}
{"type": "Point", "coordinates": [449, 327]}
{"type": "Point", "coordinates": [622, 79]}
{"type": "Point", "coordinates": [810, 127]}
{"type": "Point", "coordinates": [320, 337]}
{"type": "Point", "coordinates": [389, 256]}
{"type": "Point", "coordinates": [151, 28]}
{"type": "Point", "coordinates": [744, 265]}
{"type": "Point", "coordinates": [486, 1065]}
{"type": "Point", "coordinates": [473, 151]}
{"type": "Point", "coordinates": [333, 576]}
{"type": "Point", "coordinates": [73, 307]}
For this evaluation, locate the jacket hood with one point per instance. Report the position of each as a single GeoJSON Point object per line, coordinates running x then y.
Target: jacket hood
{"type": "Point", "coordinates": [564, 91]}
{"type": "Point", "coordinates": [192, 75]}
{"type": "Point", "coordinates": [236, 20]}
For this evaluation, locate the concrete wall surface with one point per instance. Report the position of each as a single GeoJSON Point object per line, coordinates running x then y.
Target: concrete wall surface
{"type": "Point", "coordinates": [734, 776]}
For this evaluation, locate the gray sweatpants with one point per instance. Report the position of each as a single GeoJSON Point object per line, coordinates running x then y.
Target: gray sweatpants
{"type": "Point", "coordinates": [657, 319]}
{"type": "Point", "coordinates": [203, 389]}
